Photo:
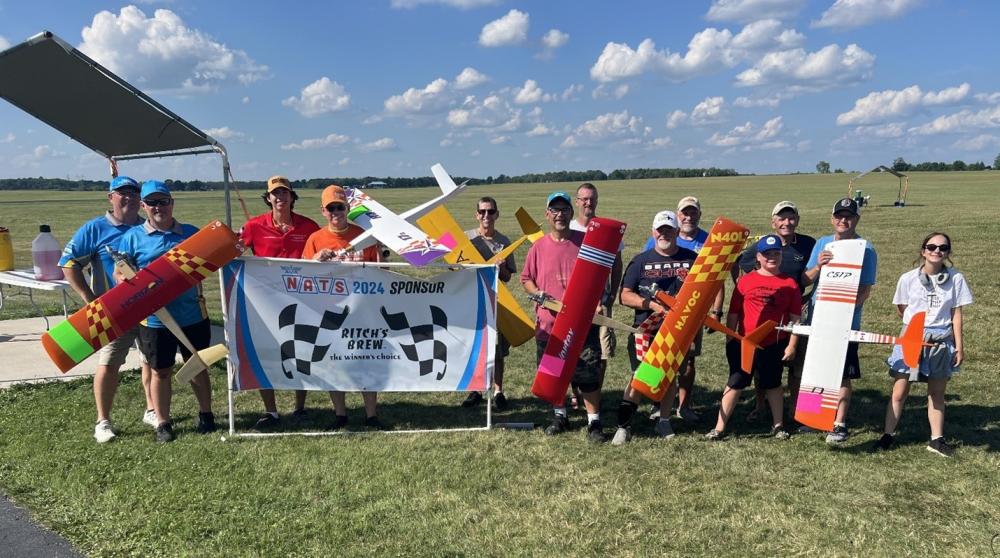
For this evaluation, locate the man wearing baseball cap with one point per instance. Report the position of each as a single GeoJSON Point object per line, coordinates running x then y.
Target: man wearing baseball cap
{"type": "Point", "coordinates": [332, 243]}
{"type": "Point", "coordinates": [663, 267]}
{"type": "Point", "coordinates": [277, 233]}
{"type": "Point", "coordinates": [546, 272]}
{"type": "Point", "coordinates": [88, 247]}
{"type": "Point", "coordinates": [795, 251]}
{"type": "Point", "coordinates": [845, 217]}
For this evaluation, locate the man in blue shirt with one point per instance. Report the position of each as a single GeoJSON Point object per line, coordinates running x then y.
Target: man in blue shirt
{"type": "Point", "coordinates": [88, 248]}
{"type": "Point", "coordinates": [143, 245]}
{"type": "Point", "coordinates": [845, 220]}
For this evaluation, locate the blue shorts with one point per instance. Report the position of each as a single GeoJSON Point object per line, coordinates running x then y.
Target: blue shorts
{"type": "Point", "coordinates": [935, 362]}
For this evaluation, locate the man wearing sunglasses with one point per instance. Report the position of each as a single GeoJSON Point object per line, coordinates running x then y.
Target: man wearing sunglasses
{"type": "Point", "coordinates": [333, 244]}
{"type": "Point", "coordinates": [143, 245]}
{"type": "Point", "coordinates": [845, 218]}
{"type": "Point", "coordinates": [278, 233]}
{"type": "Point", "coordinates": [489, 242]}
{"type": "Point", "coordinates": [88, 248]}
{"type": "Point", "coordinates": [547, 269]}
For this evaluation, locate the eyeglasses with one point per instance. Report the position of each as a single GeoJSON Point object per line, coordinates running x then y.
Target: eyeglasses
{"type": "Point", "coordinates": [943, 248]}
{"type": "Point", "coordinates": [127, 192]}
{"type": "Point", "coordinates": [558, 210]}
{"type": "Point", "coordinates": [486, 211]}
{"type": "Point", "coordinates": [336, 207]}
{"type": "Point", "coordinates": [162, 202]}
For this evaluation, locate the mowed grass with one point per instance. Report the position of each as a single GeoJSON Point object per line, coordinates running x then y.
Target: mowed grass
{"type": "Point", "coordinates": [523, 494]}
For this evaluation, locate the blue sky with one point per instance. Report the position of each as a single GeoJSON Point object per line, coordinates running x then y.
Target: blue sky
{"type": "Point", "coordinates": [390, 87]}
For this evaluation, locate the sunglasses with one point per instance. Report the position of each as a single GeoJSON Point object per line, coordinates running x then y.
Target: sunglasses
{"type": "Point", "coordinates": [336, 207]}
{"type": "Point", "coordinates": [943, 248]}
{"type": "Point", "coordinates": [162, 202]}
{"type": "Point", "coordinates": [486, 211]}
{"type": "Point", "coordinates": [127, 192]}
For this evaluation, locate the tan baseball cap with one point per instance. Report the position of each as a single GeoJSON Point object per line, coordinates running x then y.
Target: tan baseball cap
{"type": "Point", "coordinates": [688, 201]}
{"type": "Point", "coordinates": [783, 205]}
{"type": "Point", "coordinates": [276, 182]}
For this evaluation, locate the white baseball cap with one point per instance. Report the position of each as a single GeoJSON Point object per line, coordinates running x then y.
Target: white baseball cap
{"type": "Point", "coordinates": [668, 218]}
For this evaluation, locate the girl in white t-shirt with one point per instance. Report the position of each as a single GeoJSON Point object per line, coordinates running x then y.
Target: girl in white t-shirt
{"type": "Point", "coordinates": [941, 292]}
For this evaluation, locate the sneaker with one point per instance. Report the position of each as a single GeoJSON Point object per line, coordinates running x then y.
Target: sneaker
{"type": "Point", "coordinates": [299, 414]}
{"type": "Point", "coordinates": [374, 423]}
{"type": "Point", "coordinates": [266, 421]}
{"type": "Point", "coordinates": [339, 421]}
{"type": "Point", "coordinates": [803, 429]}
{"type": "Point", "coordinates": [558, 426]}
{"type": "Point", "coordinates": [687, 414]}
{"type": "Point", "coordinates": [621, 437]}
{"type": "Point", "coordinates": [474, 398]}
{"type": "Point", "coordinates": [714, 435]}
{"type": "Point", "coordinates": [663, 429]}
{"type": "Point", "coordinates": [104, 432]}
{"type": "Point", "coordinates": [595, 432]}
{"type": "Point", "coordinates": [205, 423]}
{"type": "Point", "coordinates": [500, 402]}
{"type": "Point", "coordinates": [149, 417]}
{"type": "Point", "coordinates": [778, 432]}
{"type": "Point", "coordinates": [884, 443]}
{"type": "Point", "coordinates": [940, 447]}
{"type": "Point", "coordinates": [654, 411]}
{"type": "Point", "coordinates": [838, 436]}
{"type": "Point", "coordinates": [165, 433]}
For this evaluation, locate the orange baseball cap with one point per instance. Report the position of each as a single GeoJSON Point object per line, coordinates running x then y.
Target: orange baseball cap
{"type": "Point", "coordinates": [333, 194]}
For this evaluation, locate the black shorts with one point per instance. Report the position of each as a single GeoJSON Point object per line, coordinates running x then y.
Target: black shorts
{"type": "Point", "coordinates": [503, 346]}
{"type": "Point", "coordinates": [852, 365]}
{"type": "Point", "coordinates": [587, 376]}
{"type": "Point", "coordinates": [160, 346]}
{"type": "Point", "coordinates": [767, 365]}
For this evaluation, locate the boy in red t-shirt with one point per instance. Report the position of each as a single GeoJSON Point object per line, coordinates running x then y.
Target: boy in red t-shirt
{"type": "Point", "coordinates": [764, 294]}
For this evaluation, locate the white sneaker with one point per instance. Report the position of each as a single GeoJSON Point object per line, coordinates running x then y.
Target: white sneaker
{"type": "Point", "coordinates": [104, 432]}
{"type": "Point", "coordinates": [149, 417]}
{"type": "Point", "coordinates": [622, 435]}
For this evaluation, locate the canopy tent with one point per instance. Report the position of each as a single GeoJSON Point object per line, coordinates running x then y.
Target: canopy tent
{"type": "Point", "coordinates": [904, 184]}
{"type": "Point", "coordinates": [59, 85]}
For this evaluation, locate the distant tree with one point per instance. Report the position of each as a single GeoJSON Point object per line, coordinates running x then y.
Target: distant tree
{"type": "Point", "coordinates": [900, 165]}
{"type": "Point", "coordinates": [838, 171]}
{"type": "Point", "coordinates": [823, 167]}
{"type": "Point", "coordinates": [958, 165]}
{"type": "Point", "coordinates": [996, 162]}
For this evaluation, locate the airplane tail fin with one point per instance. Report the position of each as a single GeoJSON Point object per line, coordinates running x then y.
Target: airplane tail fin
{"type": "Point", "coordinates": [751, 342]}
{"type": "Point", "coordinates": [444, 180]}
{"type": "Point", "coordinates": [912, 340]}
{"type": "Point", "coordinates": [528, 225]}
{"type": "Point", "coordinates": [201, 361]}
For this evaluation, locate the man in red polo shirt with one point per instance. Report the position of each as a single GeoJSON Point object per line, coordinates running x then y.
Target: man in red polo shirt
{"type": "Point", "coordinates": [279, 233]}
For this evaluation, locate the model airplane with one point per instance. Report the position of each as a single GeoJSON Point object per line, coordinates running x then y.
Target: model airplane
{"type": "Point", "coordinates": [598, 319]}
{"type": "Point", "coordinates": [517, 327]}
{"type": "Point", "coordinates": [398, 231]}
{"type": "Point", "coordinates": [835, 297]}
{"type": "Point", "coordinates": [129, 302]}
{"type": "Point", "coordinates": [583, 293]}
{"type": "Point", "coordinates": [689, 310]}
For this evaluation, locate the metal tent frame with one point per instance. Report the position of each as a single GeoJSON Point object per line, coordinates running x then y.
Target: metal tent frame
{"type": "Point", "coordinates": [904, 184]}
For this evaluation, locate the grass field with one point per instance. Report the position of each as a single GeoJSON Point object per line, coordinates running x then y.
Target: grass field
{"type": "Point", "coordinates": [524, 494]}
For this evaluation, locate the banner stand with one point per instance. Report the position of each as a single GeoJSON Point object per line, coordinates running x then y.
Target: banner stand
{"type": "Point", "coordinates": [231, 375]}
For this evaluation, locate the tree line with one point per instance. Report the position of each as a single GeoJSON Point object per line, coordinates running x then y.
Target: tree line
{"type": "Point", "coordinates": [41, 183]}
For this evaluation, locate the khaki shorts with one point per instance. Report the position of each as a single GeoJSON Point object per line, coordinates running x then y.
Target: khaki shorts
{"type": "Point", "coordinates": [113, 354]}
{"type": "Point", "coordinates": [608, 340]}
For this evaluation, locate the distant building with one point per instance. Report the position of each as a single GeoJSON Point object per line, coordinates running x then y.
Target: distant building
{"type": "Point", "coordinates": [376, 184]}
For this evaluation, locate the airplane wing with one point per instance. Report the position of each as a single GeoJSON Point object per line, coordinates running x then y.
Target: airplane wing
{"type": "Point", "coordinates": [392, 230]}
{"type": "Point", "coordinates": [528, 225]}
{"type": "Point", "coordinates": [599, 319]}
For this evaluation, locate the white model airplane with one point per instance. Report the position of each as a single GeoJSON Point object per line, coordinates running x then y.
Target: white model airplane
{"type": "Point", "coordinates": [398, 231]}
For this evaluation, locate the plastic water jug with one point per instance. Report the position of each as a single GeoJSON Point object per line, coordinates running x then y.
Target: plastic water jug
{"type": "Point", "coordinates": [6, 250]}
{"type": "Point", "coordinates": [45, 253]}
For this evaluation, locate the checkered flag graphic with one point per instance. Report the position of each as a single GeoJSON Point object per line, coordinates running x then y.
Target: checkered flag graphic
{"type": "Point", "coordinates": [300, 342]}
{"type": "Point", "coordinates": [430, 353]}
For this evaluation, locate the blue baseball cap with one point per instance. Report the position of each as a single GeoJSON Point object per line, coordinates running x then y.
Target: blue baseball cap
{"type": "Point", "coordinates": [123, 182]}
{"type": "Point", "coordinates": [151, 187]}
{"type": "Point", "coordinates": [769, 242]}
{"type": "Point", "coordinates": [558, 196]}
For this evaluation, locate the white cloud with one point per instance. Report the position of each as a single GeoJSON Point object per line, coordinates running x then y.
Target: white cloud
{"type": "Point", "coordinates": [317, 143]}
{"type": "Point", "coordinates": [461, 4]}
{"type": "Point", "coordinates": [890, 130]}
{"type": "Point", "coordinates": [604, 91]}
{"type": "Point", "coordinates": [962, 121]}
{"type": "Point", "coordinates": [344, 161]}
{"type": "Point", "coordinates": [224, 132]}
{"type": "Point", "coordinates": [381, 144]}
{"type": "Point", "coordinates": [879, 106]}
{"type": "Point", "coordinates": [554, 39]}
{"type": "Point", "coordinates": [748, 136]}
{"type": "Point", "coordinates": [5, 44]}
{"type": "Point", "coordinates": [492, 115]}
{"type": "Point", "coordinates": [446, 142]}
{"type": "Point", "coordinates": [709, 50]}
{"type": "Point", "coordinates": [435, 97]}
{"type": "Point", "coordinates": [530, 93]}
{"type": "Point", "coordinates": [605, 126]}
{"type": "Point", "coordinates": [676, 118]}
{"type": "Point", "coordinates": [659, 143]}
{"type": "Point", "coordinates": [711, 110]}
{"type": "Point", "coordinates": [978, 143]}
{"type": "Point", "coordinates": [162, 54]}
{"type": "Point", "coordinates": [470, 77]}
{"type": "Point", "coordinates": [36, 157]}
{"type": "Point", "coordinates": [245, 100]}
{"type": "Point", "coordinates": [541, 130]}
{"type": "Point", "coordinates": [828, 67]}
{"type": "Point", "coordinates": [320, 97]}
{"type": "Point", "coordinates": [803, 146]}
{"type": "Point", "coordinates": [571, 92]}
{"type": "Point", "coordinates": [9, 138]}
{"type": "Point", "coordinates": [42, 151]}
{"type": "Point", "coordinates": [749, 10]}
{"type": "Point", "coordinates": [511, 29]}
{"type": "Point", "coordinates": [474, 153]}
{"type": "Point", "coordinates": [752, 102]}
{"type": "Point", "coordinates": [988, 98]}
{"type": "Point", "coordinates": [500, 140]}
{"type": "Point", "coordinates": [847, 14]}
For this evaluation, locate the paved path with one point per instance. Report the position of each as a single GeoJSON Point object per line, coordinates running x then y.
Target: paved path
{"type": "Point", "coordinates": [22, 537]}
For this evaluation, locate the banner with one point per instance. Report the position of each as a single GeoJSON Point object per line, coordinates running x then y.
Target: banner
{"type": "Point", "coordinates": [299, 324]}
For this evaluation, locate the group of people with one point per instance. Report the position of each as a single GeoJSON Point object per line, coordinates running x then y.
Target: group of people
{"type": "Point", "coordinates": [772, 282]}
